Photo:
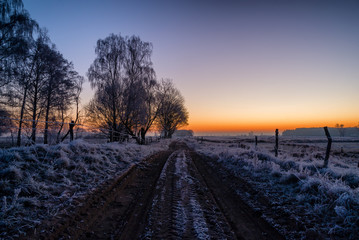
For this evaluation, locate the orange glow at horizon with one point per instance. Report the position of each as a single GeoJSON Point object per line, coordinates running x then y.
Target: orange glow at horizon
{"type": "Point", "coordinates": [241, 113]}
{"type": "Point", "coordinates": [202, 126]}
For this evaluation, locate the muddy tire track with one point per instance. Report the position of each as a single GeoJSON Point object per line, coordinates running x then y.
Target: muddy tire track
{"type": "Point", "coordinates": [111, 209]}
{"type": "Point", "coordinates": [182, 207]}
{"type": "Point", "coordinates": [246, 222]}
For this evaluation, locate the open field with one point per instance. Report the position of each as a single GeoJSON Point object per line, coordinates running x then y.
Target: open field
{"type": "Point", "coordinates": [324, 201]}
{"type": "Point", "coordinates": [347, 149]}
{"type": "Point", "coordinates": [215, 187]}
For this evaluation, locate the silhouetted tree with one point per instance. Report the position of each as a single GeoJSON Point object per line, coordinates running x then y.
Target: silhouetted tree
{"type": "Point", "coordinates": [100, 112]}
{"type": "Point", "coordinates": [34, 76]}
{"type": "Point", "coordinates": [38, 81]}
{"type": "Point", "coordinates": [126, 88]}
{"type": "Point", "coordinates": [5, 122]}
{"type": "Point", "coordinates": [139, 100]}
{"type": "Point", "coordinates": [46, 84]}
{"type": "Point", "coordinates": [341, 129]}
{"type": "Point", "coordinates": [30, 82]}
{"type": "Point", "coordinates": [21, 86]}
{"type": "Point", "coordinates": [63, 105]}
{"type": "Point", "coordinates": [151, 104]}
{"type": "Point", "coordinates": [16, 29]}
{"type": "Point", "coordinates": [128, 97]}
{"type": "Point", "coordinates": [172, 113]}
{"type": "Point", "coordinates": [62, 86]}
{"type": "Point", "coordinates": [106, 75]}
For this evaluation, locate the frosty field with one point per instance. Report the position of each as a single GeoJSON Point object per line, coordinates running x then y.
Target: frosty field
{"type": "Point", "coordinates": [40, 181]}
{"type": "Point", "coordinates": [293, 193]}
{"type": "Point", "coordinates": [325, 201]}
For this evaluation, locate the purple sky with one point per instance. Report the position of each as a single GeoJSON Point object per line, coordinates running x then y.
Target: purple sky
{"type": "Point", "coordinates": [244, 64]}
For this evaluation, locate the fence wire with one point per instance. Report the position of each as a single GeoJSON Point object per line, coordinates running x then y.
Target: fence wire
{"type": "Point", "coordinates": [56, 131]}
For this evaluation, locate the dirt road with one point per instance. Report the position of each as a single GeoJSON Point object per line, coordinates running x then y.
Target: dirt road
{"type": "Point", "coordinates": [171, 195]}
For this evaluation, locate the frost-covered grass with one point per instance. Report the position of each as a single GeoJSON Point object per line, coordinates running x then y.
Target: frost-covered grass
{"type": "Point", "coordinates": [324, 200]}
{"type": "Point", "coordinates": [40, 181]}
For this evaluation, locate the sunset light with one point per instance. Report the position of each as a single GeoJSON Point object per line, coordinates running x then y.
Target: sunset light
{"type": "Point", "coordinates": [179, 119]}
{"type": "Point", "coordinates": [240, 66]}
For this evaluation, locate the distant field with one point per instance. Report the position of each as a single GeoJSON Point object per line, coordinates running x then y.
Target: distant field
{"type": "Point", "coordinates": [346, 148]}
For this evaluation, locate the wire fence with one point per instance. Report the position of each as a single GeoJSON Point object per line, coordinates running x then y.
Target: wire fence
{"type": "Point", "coordinates": [56, 132]}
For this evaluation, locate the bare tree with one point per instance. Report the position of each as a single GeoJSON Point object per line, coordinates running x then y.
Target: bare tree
{"type": "Point", "coordinates": [16, 29]}
{"type": "Point", "coordinates": [55, 75]}
{"type": "Point", "coordinates": [106, 75]}
{"type": "Point", "coordinates": [99, 113]}
{"type": "Point", "coordinates": [34, 77]}
{"type": "Point", "coordinates": [62, 87]}
{"type": "Point", "coordinates": [152, 100]}
{"type": "Point", "coordinates": [138, 99]}
{"type": "Point", "coordinates": [341, 129]}
{"type": "Point", "coordinates": [30, 81]}
{"type": "Point", "coordinates": [172, 113]}
{"type": "Point", "coordinates": [5, 123]}
{"type": "Point", "coordinates": [38, 81]}
{"type": "Point", "coordinates": [22, 87]}
{"type": "Point", "coordinates": [125, 86]}
{"type": "Point", "coordinates": [77, 91]}
{"type": "Point", "coordinates": [47, 82]}
{"type": "Point", "coordinates": [128, 98]}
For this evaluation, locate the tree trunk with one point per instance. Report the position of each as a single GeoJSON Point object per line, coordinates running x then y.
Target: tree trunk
{"type": "Point", "coordinates": [18, 143]}
{"type": "Point", "coordinates": [47, 117]}
{"type": "Point", "coordinates": [113, 133]}
{"type": "Point", "coordinates": [61, 126]}
{"type": "Point", "coordinates": [33, 134]}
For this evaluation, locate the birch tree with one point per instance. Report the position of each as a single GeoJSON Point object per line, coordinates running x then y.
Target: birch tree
{"type": "Point", "coordinates": [173, 113]}
{"type": "Point", "coordinates": [106, 75]}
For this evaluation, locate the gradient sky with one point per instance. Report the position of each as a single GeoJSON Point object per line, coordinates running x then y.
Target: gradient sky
{"type": "Point", "coordinates": [241, 65]}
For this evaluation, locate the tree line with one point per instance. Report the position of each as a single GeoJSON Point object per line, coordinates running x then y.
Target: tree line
{"type": "Point", "coordinates": [38, 83]}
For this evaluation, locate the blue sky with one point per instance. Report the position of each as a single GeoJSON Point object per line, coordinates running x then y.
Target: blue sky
{"type": "Point", "coordinates": [240, 65]}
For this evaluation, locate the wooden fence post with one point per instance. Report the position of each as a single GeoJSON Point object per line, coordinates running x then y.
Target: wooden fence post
{"type": "Point", "coordinates": [71, 129]}
{"type": "Point", "coordinates": [328, 147]}
{"type": "Point", "coordinates": [276, 143]}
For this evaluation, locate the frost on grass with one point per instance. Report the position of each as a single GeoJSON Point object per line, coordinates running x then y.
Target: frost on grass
{"type": "Point", "coordinates": [324, 200]}
{"type": "Point", "coordinates": [40, 181]}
